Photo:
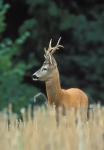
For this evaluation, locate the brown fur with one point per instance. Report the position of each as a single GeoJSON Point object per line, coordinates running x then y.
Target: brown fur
{"type": "Point", "coordinates": [72, 97]}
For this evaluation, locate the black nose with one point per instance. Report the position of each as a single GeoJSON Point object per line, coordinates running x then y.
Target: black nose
{"type": "Point", "coordinates": [34, 77]}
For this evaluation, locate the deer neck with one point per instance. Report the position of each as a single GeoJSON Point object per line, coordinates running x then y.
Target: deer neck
{"type": "Point", "coordinates": [53, 88]}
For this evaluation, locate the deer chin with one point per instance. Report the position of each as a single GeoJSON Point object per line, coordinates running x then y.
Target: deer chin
{"type": "Point", "coordinates": [38, 79]}
{"type": "Point", "coordinates": [35, 79]}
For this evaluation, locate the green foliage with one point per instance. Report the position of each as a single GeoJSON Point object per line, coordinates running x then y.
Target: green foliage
{"type": "Point", "coordinates": [3, 10]}
{"type": "Point", "coordinates": [12, 88]}
{"type": "Point", "coordinates": [89, 31]}
{"type": "Point", "coordinates": [89, 36]}
{"type": "Point", "coordinates": [67, 21]}
{"type": "Point", "coordinates": [36, 2]}
{"type": "Point", "coordinates": [28, 25]}
{"type": "Point", "coordinates": [12, 71]}
{"type": "Point", "coordinates": [53, 9]}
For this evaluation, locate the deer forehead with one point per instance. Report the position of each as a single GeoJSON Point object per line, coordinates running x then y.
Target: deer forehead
{"type": "Point", "coordinates": [45, 65]}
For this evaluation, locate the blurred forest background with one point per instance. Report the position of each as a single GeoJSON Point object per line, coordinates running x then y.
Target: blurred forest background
{"type": "Point", "coordinates": [26, 27]}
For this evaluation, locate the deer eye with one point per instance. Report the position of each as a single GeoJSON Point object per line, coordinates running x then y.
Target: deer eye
{"type": "Point", "coordinates": [44, 69]}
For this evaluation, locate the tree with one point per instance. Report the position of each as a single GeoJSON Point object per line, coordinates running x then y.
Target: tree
{"type": "Point", "coordinates": [12, 70]}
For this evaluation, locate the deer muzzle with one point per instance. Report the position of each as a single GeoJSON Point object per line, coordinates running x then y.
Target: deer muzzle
{"type": "Point", "coordinates": [35, 77]}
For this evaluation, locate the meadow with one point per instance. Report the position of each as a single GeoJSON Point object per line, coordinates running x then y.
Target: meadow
{"type": "Point", "coordinates": [42, 133]}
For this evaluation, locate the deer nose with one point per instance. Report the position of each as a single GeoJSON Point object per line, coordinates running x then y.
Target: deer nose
{"type": "Point", "coordinates": [35, 77]}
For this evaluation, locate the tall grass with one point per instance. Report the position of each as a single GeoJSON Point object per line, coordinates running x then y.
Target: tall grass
{"type": "Point", "coordinates": [42, 133]}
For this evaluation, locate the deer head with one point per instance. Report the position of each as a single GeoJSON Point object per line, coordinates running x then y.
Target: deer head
{"type": "Point", "coordinates": [49, 65]}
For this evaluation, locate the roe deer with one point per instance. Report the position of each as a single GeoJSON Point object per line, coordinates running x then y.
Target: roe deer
{"type": "Point", "coordinates": [67, 98]}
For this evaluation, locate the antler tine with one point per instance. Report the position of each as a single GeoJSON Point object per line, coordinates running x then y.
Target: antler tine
{"type": "Point", "coordinates": [50, 45]}
{"type": "Point", "coordinates": [57, 46]}
{"type": "Point", "coordinates": [58, 41]}
{"type": "Point", "coordinates": [47, 51]}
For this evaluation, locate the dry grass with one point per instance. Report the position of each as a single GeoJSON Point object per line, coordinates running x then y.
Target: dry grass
{"type": "Point", "coordinates": [42, 133]}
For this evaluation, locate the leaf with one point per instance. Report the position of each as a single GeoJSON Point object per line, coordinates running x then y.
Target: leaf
{"type": "Point", "coordinates": [53, 10]}
{"type": "Point", "coordinates": [67, 21]}
{"type": "Point", "coordinates": [28, 25]}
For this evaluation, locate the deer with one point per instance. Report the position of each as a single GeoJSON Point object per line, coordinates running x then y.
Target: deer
{"type": "Point", "coordinates": [57, 96]}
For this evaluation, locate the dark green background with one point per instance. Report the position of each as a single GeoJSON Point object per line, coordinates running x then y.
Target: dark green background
{"type": "Point", "coordinates": [26, 27]}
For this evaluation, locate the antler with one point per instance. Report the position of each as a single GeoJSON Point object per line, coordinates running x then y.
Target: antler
{"type": "Point", "coordinates": [51, 49]}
